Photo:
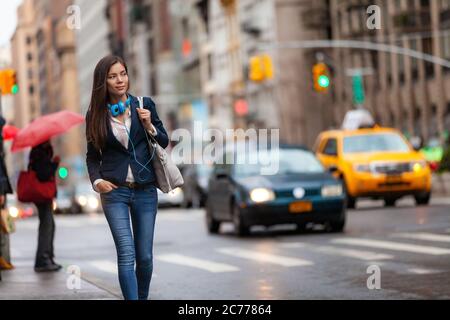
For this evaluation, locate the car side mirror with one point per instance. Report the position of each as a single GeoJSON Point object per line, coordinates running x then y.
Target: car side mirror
{"type": "Point", "coordinates": [221, 174]}
{"type": "Point", "coordinates": [332, 169]}
{"type": "Point", "coordinates": [416, 143]}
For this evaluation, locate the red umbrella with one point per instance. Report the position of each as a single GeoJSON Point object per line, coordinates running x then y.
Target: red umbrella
{"type": "Point", "coordinates": [45, 127]}
{"type": "Point", "coordinates": [9, 132]}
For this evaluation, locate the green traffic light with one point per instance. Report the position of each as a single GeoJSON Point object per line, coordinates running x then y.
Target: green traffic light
{"type": "Point", "coordinates": [15, 89]}
{"type": "Point", "coordinates": [63, 173]}
{"type": "Point", "coordinates": [324, 81]}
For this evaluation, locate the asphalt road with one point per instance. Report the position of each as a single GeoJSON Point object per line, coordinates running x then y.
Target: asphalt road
{"type": "Point", "coordinates": [407, 246]}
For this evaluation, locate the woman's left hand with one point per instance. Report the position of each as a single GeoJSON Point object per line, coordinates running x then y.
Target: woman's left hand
{"type": "Point", "coordinates": [145, 116]}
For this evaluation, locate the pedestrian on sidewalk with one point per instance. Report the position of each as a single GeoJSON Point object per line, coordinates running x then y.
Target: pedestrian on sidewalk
{"type": "Point", "coordinates": [5, 188]}
{"type": "Point", "coordinates": [45, 164]}
{"type": "Point", "coordinates": [119, 165]}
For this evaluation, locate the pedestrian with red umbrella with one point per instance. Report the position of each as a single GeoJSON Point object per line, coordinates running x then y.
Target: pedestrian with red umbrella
{"type": "Point", "coordinates": [44, 164]}
{"type": "Point", "coordinates": [5, 188]}
{"type": "Point", "coordinates": [37, 185]}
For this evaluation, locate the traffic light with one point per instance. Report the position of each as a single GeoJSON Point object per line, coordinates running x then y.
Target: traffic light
{"type": "Point", "coordinates": [261, 68]}
{"type": "Point", "coordinates": [321, 77]}
{"type": "Point", "coordinates": [8, 82]}
{"type": "Point", "coordinates": [358, 90]}
{"type": "Point", "coordinates": [256, 69]}
{"type": "Point", "coordinates": [15, 86]}
{"type": "Point", "coordinates": [63, 173]}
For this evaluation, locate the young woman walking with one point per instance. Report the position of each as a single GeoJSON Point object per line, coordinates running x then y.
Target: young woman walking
{"type": "Point", "coordinates": [119, 165]}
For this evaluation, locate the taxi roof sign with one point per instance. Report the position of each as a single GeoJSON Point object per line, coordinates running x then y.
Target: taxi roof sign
{"type": "Point", "coordinates": [358, 119]}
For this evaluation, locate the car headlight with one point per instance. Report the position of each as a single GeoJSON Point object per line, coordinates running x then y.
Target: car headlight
{"type": "Point", "coordinates": [332, 190]}
{"type": "Point", "coordinates": [417, 166]}
{"type": "Point", "coordinates": [82, 201]}
{"type": "Point", "coordinates": [362, 167]}
{"type": "Point", "coordinates": [259, 195]}
{"type": "Point", "coordinates": [93, 202]}
{"type": "Point", "coordinates": [175, 192]}
{"type": "Point", "coordinates": [13, 212]}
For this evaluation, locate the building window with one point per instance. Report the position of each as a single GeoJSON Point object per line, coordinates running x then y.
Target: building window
{"type": "Point", "coordinates": [29, 57]}
{"type": "Point", "coordinates": [29, 40]}
{"type": "Point", "coordinates": [31, 89]}
{"type": "Point", "coordinates": [447, 118]}
{"type": "Point", "coordinates": [433, 130]}
{"type": "Point", "coordinates": [428, 49]}
{"type": "Point", "coordinates": [417, 125]}
{"type": "Point", "coordinates": [414, 63]}
{"type": "Point", "coordinates": [389, 68]}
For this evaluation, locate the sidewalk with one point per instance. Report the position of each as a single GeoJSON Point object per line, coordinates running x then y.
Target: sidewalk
{"type": "Point", "coordinates": [22, 283]}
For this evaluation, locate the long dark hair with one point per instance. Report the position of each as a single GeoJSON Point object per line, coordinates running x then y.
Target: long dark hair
{"type": "Point", "coordinates": [97, 114]}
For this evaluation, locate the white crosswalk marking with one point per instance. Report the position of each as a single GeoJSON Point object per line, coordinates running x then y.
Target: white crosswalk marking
{"type": "Point", "coordinates": [424, 236]}
{"type": "Point", "coordinates": [197, 263]}
{"type": "Point", "coordinates": [422, 271]}
{"type": "Point", "coordinates": [108, 266]}
{"type": "Point", "coordinates": [395, 246]}
{"type": "Point", "coordinates": [292, 245]}
{"type": "Point", "coordinates": [265, 257]}
{"type": "Point", "coordinates": [105, 265]}
{"type": "Point", "coordinates": [16, 253]}
{"type": "Point", "coordinates": [356, 254]}
{"type": "Point", "coordinates": [350, 253]}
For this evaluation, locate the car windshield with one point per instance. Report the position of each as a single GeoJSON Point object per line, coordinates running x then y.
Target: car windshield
{"type": "Point", "coordinates": [204, 170]}
{"type": "Point", "coordinates": [375, 143]}
{"type": "Point", "coordinates": [63, 193]}
{"type": "Point", "coordinates": [84, 187]}
{"type": "Point", "coordinates": [290, 161]}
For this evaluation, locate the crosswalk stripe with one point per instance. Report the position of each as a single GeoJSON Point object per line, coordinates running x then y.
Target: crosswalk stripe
{"type": "Point", "coordinates": [424, 236]}
{"type": "Point", "coordinates": [108, 266]}
{"type": "Point", "coordinates": [396, 246]}
{"type": "Point", "coordinates": [16, 253]}
{"type": "Point", "coordinates": [265, 257]}
{"type": "Point", "coordinates": [423, 271]}
{"type": "Point", "coordinates": [292, 245]}
{"type": "Point", "coordinates": [197, 263]}
{"type": "Point", "coordinates": [350, 253]}
{"type": "Point", "coordinates": [105, 265]}
{"type": "Point", "coordinates": [356, 254]}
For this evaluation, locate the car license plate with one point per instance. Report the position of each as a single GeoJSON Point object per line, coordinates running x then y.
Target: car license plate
{"type": "Point", "coordinates": [300, 206]}
{"type": "Point", "coordinates": [393, 179]}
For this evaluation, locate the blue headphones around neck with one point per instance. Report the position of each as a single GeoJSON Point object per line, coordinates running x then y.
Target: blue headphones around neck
{"type": "Point", "coordinates": [119, 108]}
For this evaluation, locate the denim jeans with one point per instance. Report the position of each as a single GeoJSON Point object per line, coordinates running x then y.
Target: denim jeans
{"type": "Point", "coordinates": [46, 236]}
{"type": "Point", "coordinates": [132, 247]}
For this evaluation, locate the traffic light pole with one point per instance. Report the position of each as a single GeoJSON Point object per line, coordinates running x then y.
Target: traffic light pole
{"type": "Point", "coordinates": [1, 98]}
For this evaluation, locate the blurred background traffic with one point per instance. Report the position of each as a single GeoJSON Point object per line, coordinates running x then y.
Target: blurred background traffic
{"type": "Point", "coordinates": [229, 64]}
{"type": "Point", "coordinates": [359, 91]}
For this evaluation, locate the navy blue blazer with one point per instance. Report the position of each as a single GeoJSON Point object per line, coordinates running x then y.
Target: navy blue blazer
{"type": "Point", "coordinates": [112, 161]}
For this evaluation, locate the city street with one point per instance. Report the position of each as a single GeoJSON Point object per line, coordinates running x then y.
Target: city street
{"type": "Point", "coordinates": [411, 246]}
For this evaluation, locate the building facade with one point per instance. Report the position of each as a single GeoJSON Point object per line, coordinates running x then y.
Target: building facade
{"type": "Point", "coordinates": [43, 53]}
{"type": "Point", "coordinates": [408, 93]}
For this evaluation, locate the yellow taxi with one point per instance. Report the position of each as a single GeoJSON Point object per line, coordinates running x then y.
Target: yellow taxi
{"type": "Point", "coordinates": [375, 163]}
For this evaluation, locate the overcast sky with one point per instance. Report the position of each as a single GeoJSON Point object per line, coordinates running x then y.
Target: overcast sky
{"type": "Point", "coordinates": [8, 20]}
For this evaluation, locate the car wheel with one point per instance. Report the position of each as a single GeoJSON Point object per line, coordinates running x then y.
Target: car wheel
{"type": "Point", "coordinates": [337, 226]}
{"type": "Point", "coordinates": [301, 227]}
{"type": "Point", "coordinates": [422, 198]}
{"type": "Point", "coordinates": [240, 227]}
{"type": "Point", "coordinates": [196, 203]}
{"type": "Point", "coordinates": [350, 201]}
{"type": "Point", "coordinates": [389, 202]}
{"type": "Point", "coordinates": [185, 202]}
{"type": "Point", "coordinates": [212, 224]}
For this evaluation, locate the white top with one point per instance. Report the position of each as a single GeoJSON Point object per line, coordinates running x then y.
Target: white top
{"type": "Point", "coordinates": [121, 132]}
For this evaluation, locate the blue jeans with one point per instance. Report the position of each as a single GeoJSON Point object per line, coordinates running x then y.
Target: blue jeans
{"type": "Point", "coordinates": [142, 205]}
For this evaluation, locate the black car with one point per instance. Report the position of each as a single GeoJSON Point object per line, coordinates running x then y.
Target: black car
{"type": "Point", "coordinates": [299, 192]}
{"type": "Point", "coordinates": [195, 187]}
